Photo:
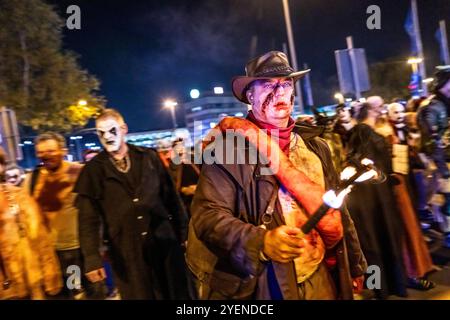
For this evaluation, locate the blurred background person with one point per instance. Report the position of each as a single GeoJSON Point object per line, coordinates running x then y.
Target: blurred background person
{"type": "Point", "coordinates": [184, 172]}
{"type": "Point", "coordinates": [433, 117]}
{"type": "Point", "coordinates": [345, 121]}
{"type": "Point", "coordinates": [29, 267]}
{"type": "Point", "coordinates": [373, 206]}
{"type": "Point", "coordinates": [416, 254]}
{"type": "Point", "coordinates": [51, 185]}
{"type": "Point", "coordinates": [327, 121]}
{"type": "Point", "coordinates": [14, 175]}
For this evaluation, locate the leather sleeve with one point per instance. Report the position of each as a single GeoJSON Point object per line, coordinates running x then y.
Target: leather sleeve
{"type": "Point", "coordinates": [217, 224]}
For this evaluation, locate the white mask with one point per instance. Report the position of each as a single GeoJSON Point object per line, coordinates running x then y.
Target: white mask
{"type": "Point", "coordinates": [396, 113]}
{"type": "Point", "coordinates": [110, 134]}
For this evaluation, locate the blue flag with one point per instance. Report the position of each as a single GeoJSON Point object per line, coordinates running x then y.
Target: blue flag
{"type": "Point", "coordinates": [442, 49]}
{"type": "Point", "coordinates": [409, 28]}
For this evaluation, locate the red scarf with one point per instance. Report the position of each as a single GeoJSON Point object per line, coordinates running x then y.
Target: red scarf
{"type": "Point", "coordinates": [283, 134]}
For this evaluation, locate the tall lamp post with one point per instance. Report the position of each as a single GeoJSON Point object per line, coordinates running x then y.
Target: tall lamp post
{"type": "Point", "coordinates": [170, 104]}
{"type": "Point", "coordinates": [293, 54]}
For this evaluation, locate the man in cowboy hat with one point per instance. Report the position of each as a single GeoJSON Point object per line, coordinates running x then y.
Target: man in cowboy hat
{"type": "Point", "coordinates": [229, 253]}
{"type": "Point", "coordinates": [433, 117]}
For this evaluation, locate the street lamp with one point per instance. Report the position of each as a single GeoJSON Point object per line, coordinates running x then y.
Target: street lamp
{"type": "Point", "coordinates": [170, 104]}
{"type": "Point", "coordinates": [195, 93]}
{"type": "Point", "coordinates": [414, 61]}
{"type": "Point", "coordinates": [293, 54]}
{"type": "Point", "coordinates": [339, 97]}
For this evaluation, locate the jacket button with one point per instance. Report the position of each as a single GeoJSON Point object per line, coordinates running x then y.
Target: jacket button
{"type": "Point", "coordinates": [144, 233]}
{"type": "Point", "coordinates": [135, 199]}
{"type": "Point", "coordinates": [140, 217]}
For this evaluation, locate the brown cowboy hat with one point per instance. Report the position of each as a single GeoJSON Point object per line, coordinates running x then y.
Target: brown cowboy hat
{"type": "Point", "coordinates": [273, 64]}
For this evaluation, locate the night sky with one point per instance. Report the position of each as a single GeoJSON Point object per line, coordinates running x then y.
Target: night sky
{"type": "Point", "coordinates": [146, 51]}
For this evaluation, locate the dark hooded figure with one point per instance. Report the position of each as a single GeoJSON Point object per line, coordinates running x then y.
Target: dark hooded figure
{"type": "Point", "coordinates": [373, 206]}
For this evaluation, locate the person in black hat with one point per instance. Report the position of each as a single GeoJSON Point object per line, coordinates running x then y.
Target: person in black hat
{"type": "Point", "coordinates": [433, 117]}
{"type": "Point", "coordinates": [236, 254]}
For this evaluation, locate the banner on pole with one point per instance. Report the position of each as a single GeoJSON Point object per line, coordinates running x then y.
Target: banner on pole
{"type": "Point", "coordinates": [409, 28]}
{"type": "Point", "coordinates": [345, 72]}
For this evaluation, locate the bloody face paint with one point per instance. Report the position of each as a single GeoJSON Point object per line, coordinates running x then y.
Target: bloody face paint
{"type": "Point", "coordinates": [110, 134]}
{"type": "Point", "coordinates": [272, 100]}
{"type": "Point", "coordinates": [50, 153]}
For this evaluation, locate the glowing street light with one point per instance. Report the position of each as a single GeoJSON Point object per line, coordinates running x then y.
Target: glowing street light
{"type": "Point", "coordinates": [415, 60]}
{"type": "Point", "coordinates": [195, 94]}
{"type": "Point", "coordinates": [171, 104]}
{"type": "Point", "coordinates": [218, 90]}
{"type": "Point", "coordinates": [82, 103]}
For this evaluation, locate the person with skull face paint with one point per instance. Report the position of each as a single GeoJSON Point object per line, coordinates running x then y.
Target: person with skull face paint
{"type": "Point", "coordinates": [345, 121]}
{"type": "Point", "coordinates": [128, 190]}
{"type": "Point", "coordinates": [14, 175]}
{"type": "Point", "coordinates": [416, 255]}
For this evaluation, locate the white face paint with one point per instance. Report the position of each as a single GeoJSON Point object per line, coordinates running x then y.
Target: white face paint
{"type": "Point", "coordinates": [13, 177]}
{"type": "Point", "coordinates": [110, 134]}
{"type": "Point", "coordinates": [396, 113]}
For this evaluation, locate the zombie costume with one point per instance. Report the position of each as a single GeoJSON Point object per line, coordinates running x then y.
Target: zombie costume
{"type": "Point", "coordinates": [144, 221]}
{"type": "Point", "coordinates": [415, 251]}
{"type": "Point", "coordinates": [241, 200]}
{"type": "Point", "coordinates": [53, 192]}
{"type": "Point", "coordinates": [28, 263]}
{"type": "Point", "coordinates": [245, 230]}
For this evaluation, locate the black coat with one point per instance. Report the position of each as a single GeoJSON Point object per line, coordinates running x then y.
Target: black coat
{"type": "Point", "coordinates": [374, 210]}
{"type": "Point", "coordinates": [225, 239]}
{"type": "Point", "coordinates": [144, 223]}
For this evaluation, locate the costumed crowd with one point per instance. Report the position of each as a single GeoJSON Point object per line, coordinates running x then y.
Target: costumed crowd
{"type": "Point", "coordinates": [138, 223]}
